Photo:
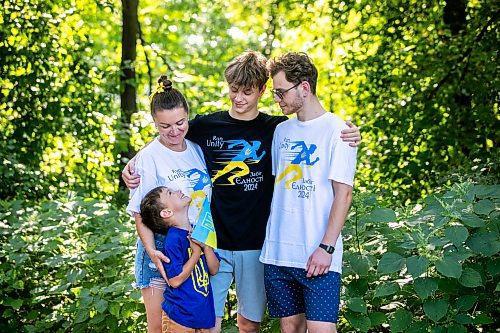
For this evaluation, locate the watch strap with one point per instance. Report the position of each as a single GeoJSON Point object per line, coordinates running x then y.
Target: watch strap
{"type": "Point", "coordinates": [328, 248]}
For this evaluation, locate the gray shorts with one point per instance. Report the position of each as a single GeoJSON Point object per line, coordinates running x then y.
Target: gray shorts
{"type": "Point", "coordinates": [248, 274]}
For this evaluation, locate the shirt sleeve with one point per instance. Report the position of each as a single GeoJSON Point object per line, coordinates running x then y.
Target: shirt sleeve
{"type": "Point", "coordinates": [145, 167]}
{"type": "Point", "coordinates": [343, 163]}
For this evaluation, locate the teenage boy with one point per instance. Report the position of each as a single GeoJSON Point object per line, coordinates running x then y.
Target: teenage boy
{"type": "Point", "coordinates": [238, 143]}
{"type": "Point", "coordinates": [189, 302]}
{"type": "Point", "coordinates": [314, 172]}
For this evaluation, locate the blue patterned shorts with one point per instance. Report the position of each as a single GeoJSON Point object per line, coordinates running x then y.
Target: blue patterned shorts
{"type": "Point", "coordinates": [290, 292]}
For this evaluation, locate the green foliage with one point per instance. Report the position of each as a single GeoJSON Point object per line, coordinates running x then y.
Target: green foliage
{"type": "Point", "coordinates": [432, 268]}
{"type": "Point", "coordinates": [420, 77]}
{"type": "Point", "coordinates": [66, 265]}
{"type": "Point", "coordinates": [55, 120]}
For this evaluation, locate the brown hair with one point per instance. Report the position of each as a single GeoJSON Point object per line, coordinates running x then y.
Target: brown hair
{"type": "Point", "coordinates": [165, 97]}
{"type": "Point", "coordinates": [150, 211]}
{"type": "Point", "coordinates": [297, 67]}
{"type": "Point", "coordinates": [248, 70]}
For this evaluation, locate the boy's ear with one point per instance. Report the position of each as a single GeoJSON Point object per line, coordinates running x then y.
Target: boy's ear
{"type": "Point", "coordinates": [166, 213]}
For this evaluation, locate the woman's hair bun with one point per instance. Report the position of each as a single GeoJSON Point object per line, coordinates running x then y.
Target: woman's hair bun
{"type": "Point", "coordinates": [165, 82]}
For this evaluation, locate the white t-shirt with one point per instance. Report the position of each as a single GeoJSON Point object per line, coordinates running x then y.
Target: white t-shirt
{"type": "Point", "coordinates": [306, 157]}
{"type": "Point", "coordinates": [159, 166]}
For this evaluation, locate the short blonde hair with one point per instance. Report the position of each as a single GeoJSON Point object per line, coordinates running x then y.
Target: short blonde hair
{"type": "Point", "coordinates": [247, 70]}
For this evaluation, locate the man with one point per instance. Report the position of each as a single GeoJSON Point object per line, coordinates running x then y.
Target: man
{"type": "Point", "coordinates": [314, 172]}
{"type": "Point", "coordinates": [238, 143]}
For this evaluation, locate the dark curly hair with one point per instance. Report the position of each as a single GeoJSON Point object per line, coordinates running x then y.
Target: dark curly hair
{"type": "Point", "coordinates": [150, 211]}
{"type": "Point", "coordinates": [297, 67]}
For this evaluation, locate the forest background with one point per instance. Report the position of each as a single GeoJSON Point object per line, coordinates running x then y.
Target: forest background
{"type": "Point", "coordinates": [419, 77]}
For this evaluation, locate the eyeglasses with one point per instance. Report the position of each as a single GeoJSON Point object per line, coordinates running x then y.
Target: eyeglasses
{"type": "Point", "coordinates": [281, 93]}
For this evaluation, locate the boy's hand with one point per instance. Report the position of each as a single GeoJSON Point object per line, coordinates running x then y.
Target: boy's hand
{"type": "Point", "coordinates": [351, 134]}
{"type": "Point", "coordinates": [203, 246]}
{"type": "Point", "coordinates": [131, 180]}
{"type": "Point", "coordinates": [194, 245]}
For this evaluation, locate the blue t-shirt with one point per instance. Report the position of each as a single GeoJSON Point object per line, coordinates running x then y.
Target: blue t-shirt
{"type": "Point", "coordinates": [192, 303]}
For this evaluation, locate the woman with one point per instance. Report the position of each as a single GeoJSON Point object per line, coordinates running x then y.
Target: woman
{"type": "Point", "coordinates": [173, 161]}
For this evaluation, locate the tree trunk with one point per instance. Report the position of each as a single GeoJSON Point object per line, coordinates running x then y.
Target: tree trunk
{"type": "Point", "coordinates": [127, 76]}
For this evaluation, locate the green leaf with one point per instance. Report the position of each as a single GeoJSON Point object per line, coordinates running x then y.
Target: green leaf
{"type": "Point", "coordinates": [457, 234]}
{"type": "Point", "coordinates": [76, 275]}
{"type": "Point", "coordinates": [97, 319]}
{"type": "Point", "coordinates": [435, 309]}
{"type": "Point", "coordinates": [360, 265]}
{"type": "Point", "coordinates": [417, 265]}
{"type": "Point", "coordinates": [418, 327]}
{"type": "Point", "coordinates": [493, 267]}
{"type": "Point", "coordinates": [484, 243]}
{"type": "Point", "coordinates": [466, 302]}
{"type": "Point", "coordinates": [114, 309]}
{"type": "Point", "coordinates": [357, 287]}
{"type": "Point", "coordinates": [377, 318]}
{"type": "Point", "coordinates": [386, 289]}
{"type": "Point", "coordinates": [483, 319]}
{"type": "Point", "coordinates": [487, 191]}
{"type": "Point", "coordinates": [81, 316]}
{"type": "Point", "coordinates": [449, 267]}
{"type": "Point", "coordinates": [357, 304]}
{"type": "Point", "coordinates": [101, 305]}
{"type": "Point", "coordinates": [471, 220]}
{"type": "Point", "coordinates": [498, 287]}
{"type": "Point", "coordinates": [456, 328]}
{"type": "Point", "coordinates": [463, 318]}
{"type": "Point", "coordinates": [390, 263]}
{"type": "Point", "coordinates": [358, 321]}
{"type": "Point", "coordinates": [135, 294]}
{"type": "Point", "coordinates": [425, 287]}
{"type": "Point", "coordinates": [484, 207]}
{"type": "Point", "coordinates": [400, 321]}
{"type": "Point", "coordinates": [470, 278]}
{"type": "Point", "coordinates": [383, 215]}
{"type": "Point", "coordinates": [13, 303]}
{"type": "Point", "coordinates": [440, 221]}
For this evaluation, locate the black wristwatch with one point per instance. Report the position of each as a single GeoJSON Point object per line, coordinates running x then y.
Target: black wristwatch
{"type": "Point", "coordinates": [329, 249]}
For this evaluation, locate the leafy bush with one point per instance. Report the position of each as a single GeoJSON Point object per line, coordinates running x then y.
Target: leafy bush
{"type": "Point", "coordinates": [431, 269]}
{"type": "Point", "coordinates": [66, 265]}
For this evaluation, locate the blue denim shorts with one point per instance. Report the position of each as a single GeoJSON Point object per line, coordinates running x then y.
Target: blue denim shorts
{"type": "Point", "coordinates": [290, 292]}
{"type": "Point", "coordinates": [146, 274]}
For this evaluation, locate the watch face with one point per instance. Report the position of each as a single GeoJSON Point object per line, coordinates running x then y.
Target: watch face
{"type": "Point", "coordinates": [329, 249]}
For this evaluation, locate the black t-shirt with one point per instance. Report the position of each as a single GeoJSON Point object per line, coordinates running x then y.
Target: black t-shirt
{"type": "Point", "coordinates": [238, 157]}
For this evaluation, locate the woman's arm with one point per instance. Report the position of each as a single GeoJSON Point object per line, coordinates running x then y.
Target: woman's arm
{"type": "Point", "coordinates": [132, 181]}
{"type": "Point", "coordinates": [148, 240]}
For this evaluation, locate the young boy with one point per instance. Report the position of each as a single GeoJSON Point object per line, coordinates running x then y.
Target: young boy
{"type": "Point", "coordinates": [189, 303]}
